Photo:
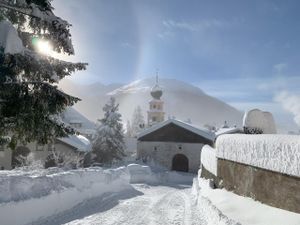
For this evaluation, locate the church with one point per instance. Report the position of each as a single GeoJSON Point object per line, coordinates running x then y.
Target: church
{"type": "Point", "coordinates": [171, 143]}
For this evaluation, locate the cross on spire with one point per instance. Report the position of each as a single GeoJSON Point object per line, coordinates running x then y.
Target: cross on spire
{"type": "Point", "coordinates": [157, 76]}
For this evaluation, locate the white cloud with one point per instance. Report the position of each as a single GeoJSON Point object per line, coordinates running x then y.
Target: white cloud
{"type": "Point", "coordinates": [290, 103]}
{"type": "Point", "coordinates": [280, 67]}
{"type": "Point", "coordinates": [201, 25]}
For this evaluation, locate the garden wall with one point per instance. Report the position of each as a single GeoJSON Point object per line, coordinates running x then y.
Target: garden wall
{"type": "Point", "coordinates": [263, 167]}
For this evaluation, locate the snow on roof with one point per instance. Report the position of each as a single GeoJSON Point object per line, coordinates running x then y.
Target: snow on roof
{"type": "Point", "coordinates": [9, 38]}
{"type": "Point", "coordinates": [81, 143]}
{"type": "Point", "coordinates": [229, 130]}
{"type": "Point", "coordinates": [200, 131]}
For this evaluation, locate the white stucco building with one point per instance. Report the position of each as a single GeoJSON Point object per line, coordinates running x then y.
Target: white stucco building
{"type": "Point", "coordinates": [74, 144]}
{"type": "Point", "coordinates": [174, 145]}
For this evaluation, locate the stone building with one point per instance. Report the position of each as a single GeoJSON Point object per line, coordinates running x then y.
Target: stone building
{"type": "Point", "coordinates": [174, 145]}
{"type": "Point", "coordinates": [156, 112]}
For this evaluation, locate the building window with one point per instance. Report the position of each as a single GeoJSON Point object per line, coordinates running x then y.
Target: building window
{"type": "Point", "coordinates": [179, 147]}
{"type": "Point", "coordinates": [154, 106]}
{"type": "Point", "coordinates": [153, 119]}
{"type": "Point", "coordinates": [39, 147]}
{"type": "Point", "coordinates": [2, 148]}
{"type": "Point", "coordinates": [2, 168]}
{"type": "Point", "coordinates": [155, 148]}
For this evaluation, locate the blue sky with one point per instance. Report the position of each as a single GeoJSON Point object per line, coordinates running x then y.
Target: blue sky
{"type": "Point", "coordinates": [243, 52]}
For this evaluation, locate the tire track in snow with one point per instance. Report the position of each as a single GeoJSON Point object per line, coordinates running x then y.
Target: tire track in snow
{"type": "Point", "coordinates": [154, 205]}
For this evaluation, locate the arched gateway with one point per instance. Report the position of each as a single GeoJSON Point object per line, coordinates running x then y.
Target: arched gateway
{"type": "Point", "coordinates": [180, 163]}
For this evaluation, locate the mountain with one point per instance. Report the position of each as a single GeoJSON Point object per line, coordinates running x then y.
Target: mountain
{"type": "Point", "coordinates": [182, 100]}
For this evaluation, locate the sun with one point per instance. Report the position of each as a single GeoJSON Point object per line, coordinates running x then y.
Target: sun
{"type": "Point", "coordinates": [42, 46]}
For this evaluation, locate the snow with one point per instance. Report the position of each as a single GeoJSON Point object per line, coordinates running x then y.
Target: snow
{"type": "Point", "coordinates": [71, 115]}
{"type": "Point", "coordinates": [229, 130]}
{"type": "Point", "coordinates": [79, 142]}
{"type": "Point", "coordinates": [34, 195]}
{"type": "Point", "coordinates": [212, 215]}
{"type": "Point", "coordinates": [279, 153]}
{"type": "Point", "coordinates": [209, 159]}
{"type": "Point", "coordinates": [256, 118]}
{"type": "Point", "coordinates": [243, 210]}
{"type": "Point", "coordinates": [200, 131]}
{"type": "Point", "coordinates": [9, 38]}
{"type": "Point", "coordinates": [31, 196]}
{"type": "Point", "coordinates": [97, 196]}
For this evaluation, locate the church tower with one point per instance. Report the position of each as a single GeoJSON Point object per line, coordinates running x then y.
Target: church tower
{"type": "Point", "coordinates": [156, 112]}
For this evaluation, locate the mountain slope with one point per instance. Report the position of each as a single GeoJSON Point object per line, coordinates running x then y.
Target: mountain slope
{"type": "Point", "coordinates": [182, 100]}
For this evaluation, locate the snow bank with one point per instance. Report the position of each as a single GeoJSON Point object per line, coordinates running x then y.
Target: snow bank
{"type": "Point", "coordinates": [30, 196]}
{"type": "Point", "coordinates": [33, 195]}
{"type": "Point", "coordinates": [212, 215]}
{"type": "Point", "coordinates": [9, 38]}
{"type": "Point", "coordinates": [140, 174]}
{"type": "Point", "coordinates": [209, 159]}
{"type": "Point", "coordinates": [223, 207]}
{"type": "Point", "coordinates": [258, 119]}
{"type": "Point", "coordinates": [279, 153]}
{"type": "Point", "coordinates": [144, 174]}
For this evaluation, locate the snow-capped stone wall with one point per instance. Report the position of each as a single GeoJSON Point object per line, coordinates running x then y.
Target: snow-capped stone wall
{"type": "Point", "coordinates": [209, 159]}
{"type": "Point", "coordinates": [279, 153]}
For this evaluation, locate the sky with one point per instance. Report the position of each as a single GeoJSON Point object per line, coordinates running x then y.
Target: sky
{"type": "Point", "coordinates": [245, 53]}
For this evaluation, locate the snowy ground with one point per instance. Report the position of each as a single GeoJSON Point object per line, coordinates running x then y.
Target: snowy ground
{"type": "Point", "coordinates": [144, 204]}
{"type": "Point", "coordinates": [134, 194]}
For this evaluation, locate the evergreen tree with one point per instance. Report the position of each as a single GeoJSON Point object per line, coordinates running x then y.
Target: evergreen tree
{"type": "Point", "coordinates": [108, 142]}
{"type": "Point", "coordinates": [29, 98]}
{"type": "Point", "coordinates": [138, 121]}
{"type": "Point", "coordinates": [128, 129]}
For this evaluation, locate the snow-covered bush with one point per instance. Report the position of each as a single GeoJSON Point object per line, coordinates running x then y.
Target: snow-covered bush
{"type": "Point", "coordinates": [65, 159]}
{"type": "Point", "coordinates": [256, 121]}
{"type": "Point", "coordinates": [29, 162]}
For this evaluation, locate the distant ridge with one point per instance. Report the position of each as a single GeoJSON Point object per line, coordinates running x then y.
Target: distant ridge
{"type": "Point", "coordinates": [182, 100]}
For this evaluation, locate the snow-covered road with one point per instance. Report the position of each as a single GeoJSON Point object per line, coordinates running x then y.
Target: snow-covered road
{"type": "Point", "coordinates": [143, 204]}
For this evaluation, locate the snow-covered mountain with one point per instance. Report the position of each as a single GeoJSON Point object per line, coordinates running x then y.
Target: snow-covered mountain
{"type": "Point", "coordinates": [182, 100]}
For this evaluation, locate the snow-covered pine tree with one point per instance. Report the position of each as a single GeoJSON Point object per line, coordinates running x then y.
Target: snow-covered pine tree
{"type": "Point", "coordinates": [138, 121]}
{"type": "Point", "coordinates": [108, 141]}
{"type": "Point", "coordinates": [128, 129]}
{"type": "Point", "coordinates": [29, 98]}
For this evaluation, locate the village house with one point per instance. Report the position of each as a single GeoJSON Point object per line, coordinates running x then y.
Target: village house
{"type": "Point", "coordinates": [71, 146]}
{"type": "Point", "coordinates": [174, 145]}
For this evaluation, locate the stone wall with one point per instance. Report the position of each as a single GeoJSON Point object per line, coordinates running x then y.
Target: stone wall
{"type": "Point", "coordinates": [163, 153]}
{"type": "Point", "coordinates": [272, 188]}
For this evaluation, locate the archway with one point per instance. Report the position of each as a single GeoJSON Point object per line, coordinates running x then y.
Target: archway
{"type": "Point", "coordinates": [17, 155]}
{"type": "Point", "coordinates": [180, 163]}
